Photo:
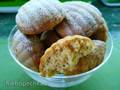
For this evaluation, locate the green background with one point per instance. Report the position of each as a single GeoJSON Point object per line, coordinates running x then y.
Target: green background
{"type": "Point", "coordinates": [12, 2]}
{"type": "Point", "coordinates": [106, 78]}
{"type": "Point", "coordinates": [20, 2]}
{"type": "Point", "coordinates": [7, 3]}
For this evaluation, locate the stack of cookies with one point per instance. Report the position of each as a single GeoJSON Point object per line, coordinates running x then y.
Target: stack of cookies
{"type": "Point", "coordinates": [59, 38]}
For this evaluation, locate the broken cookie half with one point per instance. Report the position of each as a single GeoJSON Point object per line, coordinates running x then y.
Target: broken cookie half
{"type": "Point", "coordinates": [64, 55]}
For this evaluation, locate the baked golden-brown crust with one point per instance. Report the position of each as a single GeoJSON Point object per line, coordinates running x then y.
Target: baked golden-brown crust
{"type": "Point", "coordinates": [28, 49]}
{"type": "Point", "coordinates": [37, 16]}
{"type": "Point", "coordinates": [64, 54]}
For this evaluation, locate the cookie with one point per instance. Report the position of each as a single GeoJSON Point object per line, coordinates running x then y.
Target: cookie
{"type": "Point", "coordinates": [28, 49]}
{"type": "Point", "coordinates": [89, 61]}
{"type": "Point", "coordinates": [64, 54]}
{"type": "Point", "coordinates": [82, 19]}
{"type": "Point", "coordinates": [37, 16]}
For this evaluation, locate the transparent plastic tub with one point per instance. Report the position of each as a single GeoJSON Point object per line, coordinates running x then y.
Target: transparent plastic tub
{"type": "Point", "coordinates": [60, 81]}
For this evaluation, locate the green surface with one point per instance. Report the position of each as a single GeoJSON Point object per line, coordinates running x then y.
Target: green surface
{"type": "Point", "coordinates": [7, 3]}
{"type": "Point", "coordinates": [106, 78]}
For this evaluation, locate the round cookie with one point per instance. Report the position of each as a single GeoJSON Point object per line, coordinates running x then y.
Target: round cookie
{"type": "Point", "coordinates": [28, 49]}
{"type": "Point", "coordinates": [81, 19]}
{"type": "Point", "coordinates": [64, 54]}
{"type": "Point", "coordinates": [37, 16]}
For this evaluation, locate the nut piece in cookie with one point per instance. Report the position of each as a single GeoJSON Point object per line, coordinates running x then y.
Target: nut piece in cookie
{"type": "Point", "coordinates": [64, 54]}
